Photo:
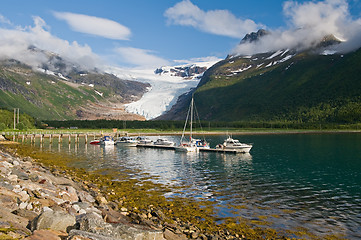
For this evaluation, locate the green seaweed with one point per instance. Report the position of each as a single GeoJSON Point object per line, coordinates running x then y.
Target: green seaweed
{"type": "Point", "coordinates": [144, 196]}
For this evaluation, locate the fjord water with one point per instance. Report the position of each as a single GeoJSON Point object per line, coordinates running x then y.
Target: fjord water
{"type": "Point", "coordinates": [291, 182]}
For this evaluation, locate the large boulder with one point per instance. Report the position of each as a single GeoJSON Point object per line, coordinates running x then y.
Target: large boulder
{"type": "Point", "coordinates": [46, 234]}
{"type": "Point", "coordinates": [94, 223]}
{"type": "Point", "coordinates": [54, 220]}
{"type": "Point", "coordinates": [80, 235]}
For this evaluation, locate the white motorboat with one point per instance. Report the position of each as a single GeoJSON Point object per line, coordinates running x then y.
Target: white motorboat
{"type": "Point", "coordinates": [164, 142]}
{"type": "Point", "coordinates": [200, 143]}
{"type": "Point", "coordinates": [144, 141]}
{"type": "Point", "coordinates": [107, 141]}
{"type": "Point", "coordinates": [127, 141]}
{"type": "Point", "coordinates": [234, 144]}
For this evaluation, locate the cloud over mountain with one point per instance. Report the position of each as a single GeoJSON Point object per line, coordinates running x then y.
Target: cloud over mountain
{"type": "Point", "coordinates": [95, 25]}
{"type": "Point", "coordinates": [308, 23]}
{"type": "Point", "coordinates": [16, 43]}
{"type": "Point", "coordinates": [219, 22]}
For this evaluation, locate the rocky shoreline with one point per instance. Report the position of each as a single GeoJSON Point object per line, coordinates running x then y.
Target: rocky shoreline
{"type": "Point", "coordinates": [37, 202]}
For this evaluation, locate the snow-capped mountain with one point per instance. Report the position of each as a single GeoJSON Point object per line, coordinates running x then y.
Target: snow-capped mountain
{"type": "Point", "coordinates": [235, 80]}
{"type": "Point", "coordinates": [167, 84]}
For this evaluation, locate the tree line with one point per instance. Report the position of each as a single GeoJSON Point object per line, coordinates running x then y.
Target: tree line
{"type": "Point", "coordinates": [170, 125]}
{"type": "Point", "coordinates": [28, 122]}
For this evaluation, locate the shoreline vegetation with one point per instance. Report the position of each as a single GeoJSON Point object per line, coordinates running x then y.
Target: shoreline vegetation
{"type": "Point", "coordinates": [113, 200]}
{"type": "Point", "coordinates": [155, 132]}
{"type": "Point", "coordinates": [117, 199]}
{"type": "Point", "coordinates": [40, 190]}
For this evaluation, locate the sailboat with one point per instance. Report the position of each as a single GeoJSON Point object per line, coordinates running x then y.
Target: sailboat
{"type": "Point", "coordinates": [193, 145]}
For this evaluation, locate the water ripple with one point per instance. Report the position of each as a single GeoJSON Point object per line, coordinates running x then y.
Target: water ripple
{"type": "Point", "coordinates": [309, 181]}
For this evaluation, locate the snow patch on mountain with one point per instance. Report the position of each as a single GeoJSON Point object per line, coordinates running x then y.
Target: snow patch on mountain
{"type": "Point", "coordinates": [279, 52]}
{"type": "Point", "coordinates": [328, 52]}
{"type": "Point", "coordinates": [241, 70]}
{"type": "Point", "coordinates": [285, 58]}
{"type": "Point", "coordinates": [269, 65]}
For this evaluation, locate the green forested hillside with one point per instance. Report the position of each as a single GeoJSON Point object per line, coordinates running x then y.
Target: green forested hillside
{"type": "Point", "coordinates": [46, 96]}
{"type": "Point", "coordinates": [305, 88]}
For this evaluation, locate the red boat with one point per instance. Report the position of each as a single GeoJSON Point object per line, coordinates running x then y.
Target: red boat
{"type": "Point", "coordinates": [95, 142]}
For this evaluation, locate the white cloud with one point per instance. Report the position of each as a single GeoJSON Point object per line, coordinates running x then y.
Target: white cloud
{"type": "Point", "coordinates": [327, 17]}
{"type": "Point", "coordinates": [219, 22]}
{"type": "Point", "coordinates": [95, 25]}
{"type": "Point", "coordinates": [14, 44]}
{"type": "Point", "coordinates": [140, 57]}
{"type": "Point", "coordinates": [199, 61]}
{"type": "Point", "coordinates": [4, 20]}
{"type": "Point", "coordinates": [308, 23]}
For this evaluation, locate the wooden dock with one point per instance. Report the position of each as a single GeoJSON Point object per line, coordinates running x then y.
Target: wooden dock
{"type": "Point", "coordinates": [52, 137]}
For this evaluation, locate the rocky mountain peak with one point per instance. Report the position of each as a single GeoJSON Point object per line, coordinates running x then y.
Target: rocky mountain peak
{"type": "Point", "coordinates": [186, 71]}
{"type": "Point", "coordinates": [328, 40]}
{"type": "Point", "coordinates": [254, 36]}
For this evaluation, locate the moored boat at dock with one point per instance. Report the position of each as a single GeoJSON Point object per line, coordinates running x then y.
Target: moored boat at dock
{"type": "Point", "coordinates": [127, 141]}
{"type": "Point", "coordinates": [107, 141]}
{"type": "Point", "coordinates": [164, 142]}
{"type": "Point", "coordinates": [144, 141]}
{"type": "Point", "coordinates": [234, 145]}
{"type": "Point", "coordinates": [95, 142]}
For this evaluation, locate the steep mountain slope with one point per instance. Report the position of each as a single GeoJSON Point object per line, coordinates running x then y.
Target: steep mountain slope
{"type": "Point", "coordinates": [285, 85]}
{"type": "Point", "coordinates": [64, 93]}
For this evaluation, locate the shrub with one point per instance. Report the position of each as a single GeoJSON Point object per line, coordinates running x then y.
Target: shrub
{"type": "Point", "coordinates": [21, 126]}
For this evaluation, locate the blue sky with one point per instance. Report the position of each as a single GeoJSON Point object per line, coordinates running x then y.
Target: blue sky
{"type": "Point", "coordinates": [139, 33]}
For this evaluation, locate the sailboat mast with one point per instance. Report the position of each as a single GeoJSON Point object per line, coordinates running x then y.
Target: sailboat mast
{"type": "Point", "coordinates": [191, 117]}
{"type": "Point", "coordinates": [185, 124]}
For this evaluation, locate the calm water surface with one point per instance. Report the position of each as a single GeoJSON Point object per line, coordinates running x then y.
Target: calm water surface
{"type": "Point", "coordinates": [308, 181]}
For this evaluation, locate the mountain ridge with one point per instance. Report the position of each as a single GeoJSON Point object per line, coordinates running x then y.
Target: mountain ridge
{"type": "Point", "coordinates": [283, 85]}
{"type": "Point", "coordinates": [60, 90]}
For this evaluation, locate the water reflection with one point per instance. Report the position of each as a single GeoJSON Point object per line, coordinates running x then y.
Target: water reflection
{"type": "Point", "coordinates": [313, 181]}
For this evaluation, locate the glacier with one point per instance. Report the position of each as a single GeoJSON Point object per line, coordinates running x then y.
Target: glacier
{"type": "Point", "coordinates": [165, 88]}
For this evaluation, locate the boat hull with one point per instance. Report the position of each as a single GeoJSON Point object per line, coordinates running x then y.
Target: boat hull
{"type": "Point", "coordinates": [107, 143]}
{"type": "Point", "coordinates": [241, 150]}
{"type": "Point", "coordinates": [126, 144]}
{"type": "Point", "coordinates": [164, 142]}
{"type": "Point", "coordinates": [95, 142]}
{"type": "Point", "coordinates": [245, 149]}
{"type": "Point", "coordinates": [186, 149]}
